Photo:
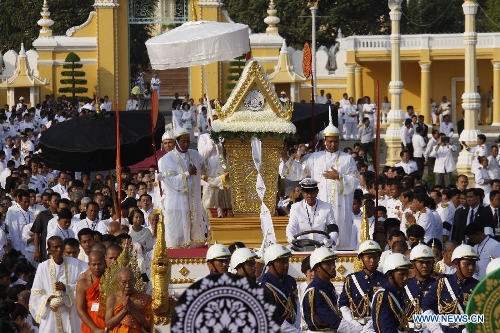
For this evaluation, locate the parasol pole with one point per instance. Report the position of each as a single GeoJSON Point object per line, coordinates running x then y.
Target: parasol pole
{"type": "Point", "coordinates": [118, 165]}
{"type": "Point", "coordinates": [377, 142]}
{"type": "Point", "coordinates": [154, 118]}
{"type": "Point", "coordinates": [209, 106]}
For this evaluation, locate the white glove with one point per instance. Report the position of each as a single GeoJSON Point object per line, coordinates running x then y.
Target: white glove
{"type": "Point", "coordinates": [328, 242]}
{"type": "Point", "coordinates": [334, 237]}
{"type": "Point", "coordinates": [433, 327]}
{"type": "Point", "coordinates": [368, 328]}
{"type": "Point", "coordinates": [349, 327]}
{"type": "Point", "coordinates": [346, 313]}
{"type": "Point", "coordinates": [159, 176]}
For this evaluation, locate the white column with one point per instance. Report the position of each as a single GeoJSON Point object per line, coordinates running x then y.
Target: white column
{"type": "Point", "coordinates": [396, 115]}
{"type": "Point", "coordinates": [471, 100]}
{"type": "Point", "coordinates": [496, 94]}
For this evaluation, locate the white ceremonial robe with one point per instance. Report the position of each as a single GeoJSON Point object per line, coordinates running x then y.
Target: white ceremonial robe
{"type": "Point", "coordinates": [176, 118]}
{"type": "Point", "coordinates": [356, 232]}
{"type": "Point", "coordinates": [488, 248]}
{"type": "Point", "coordinates": [304, 218]}
{"type": "Point", "coordinates": [214, 194]}
{"type": "Point", "coordinates": [339, 193]}
{"type": "Point", "coordinates": [481, 176]}
{"type": "Point", "coordinates": [183, 209]}
{"type": "Point", "coordinates": [65, 319]}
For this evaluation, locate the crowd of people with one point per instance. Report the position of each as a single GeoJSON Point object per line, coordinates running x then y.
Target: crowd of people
{"type": "Point", "coordinates": [60, 230]}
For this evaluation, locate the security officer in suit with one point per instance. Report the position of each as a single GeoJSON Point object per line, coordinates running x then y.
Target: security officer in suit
{"type": "Point", "coordinates": [281, 288]}
{"type": "Point", "coordinates": [417, 287]}
{"type": "Point", "coordinates": [359, 287]}
{"type": "Point", "coordinates": [388, 314]}
{"type": "Point", "coordinates": [450, 292]}
{"type": "Point", "coordinates": [319, 306]}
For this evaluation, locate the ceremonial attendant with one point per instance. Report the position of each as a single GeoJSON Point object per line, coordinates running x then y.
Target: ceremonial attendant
{"type": "Point", "coordinates": [218, 257]}
{"type": "Point", "coordinates": [88, 296]}
{"type": "Point", "coordinates": [52, 296]}
{"type": "Point", "coordinates": [321, 312]}
{"type": "Point", "coordinates": [388, 313]}
{"type": "Point", "coordinates": [128, 311]}
{"type": "Point", "coordinates": [281, 287]}
{"type": "Point", "coordinates": [450, 292]}
{"type": "Point", "coordinates": [422, 258]}
{"type": "Point", "coordinates": [359, 288]}
{"type": "Point", "coordinates": [337, 177]}
{"type": "Point", "coordinates": [180, 171]}
{"type": "Point", "coordinates": [243, 261]}
{"type": "Point", "coordinates": [311, 214]}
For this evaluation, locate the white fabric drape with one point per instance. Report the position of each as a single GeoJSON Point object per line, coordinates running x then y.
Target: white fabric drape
{"type": "Point", "coordinates": [266, 223]}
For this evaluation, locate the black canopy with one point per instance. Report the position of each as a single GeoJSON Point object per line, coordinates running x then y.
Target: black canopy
{"type": "Point", "coordinates": [88, 143]}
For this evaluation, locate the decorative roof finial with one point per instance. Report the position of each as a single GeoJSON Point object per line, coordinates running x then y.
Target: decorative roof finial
{"type": "Point", "coordinates": [272, 20]}
{"type": "Point", "coordinates": [339, 33]}
{"type": "Point", "coordinates": [45, 22]}
{"type": "Point", "coordinates": [22, 52]}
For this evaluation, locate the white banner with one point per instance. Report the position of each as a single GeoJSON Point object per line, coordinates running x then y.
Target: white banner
{"type": "Point", "coordinates": [266, 223]}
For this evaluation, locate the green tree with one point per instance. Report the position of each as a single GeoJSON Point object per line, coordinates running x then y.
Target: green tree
{"type": "Point", "coordinates": [19, 19]}
{"type": "Point", "coordinates": [72, 62]}
{"type": "Point", "coordinates": [234, 73]}
{"type": "Point", "coordinates": [354, 17]}
{"type": "Point", "coordinates": [493, 11]}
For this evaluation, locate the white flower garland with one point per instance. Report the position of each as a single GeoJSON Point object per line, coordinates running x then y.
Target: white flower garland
{"type": "Point", "coordinates": [259, 122]}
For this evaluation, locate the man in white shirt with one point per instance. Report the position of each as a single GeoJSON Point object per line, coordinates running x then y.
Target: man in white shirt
{"type": "Point", "coordinates": [431, 144]}
{"type": "Point", "coordinates": [479, 150]}
{"type": "Point", "coordinates": [445, 162]}
{"type": "Point", "coordinates": [61, 184]}
{"type": "Point", "coordinates": [18, 219]}
{"type": "Point", "coordinates": [6, 172]}
{"type": "Point", "coordinates": [90, 221]}
{"type": "Point", "coordinates": [369, 110]}
{"type": "Point", "coordinates": [106, 105]}
{"type": "Point", "coordinates": [445, 266]}
{"type": "Point", "coordinates": [422, 216]}
{"type": "Point", "coordinates": [419, 145]}
{"type": "Point", "coordinates": [445, 209]}
{"type": "Point", "coordinates": [365, 134]}
{"type": "Point", "coordinates": [444, 108]}
{"type": "Point", "coordinates": [446, 126]}
{"type": "Point", "coordinates": [493, 167]}
{"type": "Point", "coordinates": [311, 214]}
{"type": "Point", "coordinates": [155, 84]}
{"type": "Point", "coordinates": [369, 206]}
{"type": "Point", "coordinates": [321, 99]}
{"type": "Point", "coordinates": [408, 165]}
{"type": "Point", "coordinates": [485, 246]}
{"type": "Point", "coordinates": [406, 135]}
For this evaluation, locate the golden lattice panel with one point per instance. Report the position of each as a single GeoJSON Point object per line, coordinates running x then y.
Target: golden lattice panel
{"type": "Point", "coordinates": [243, 175]}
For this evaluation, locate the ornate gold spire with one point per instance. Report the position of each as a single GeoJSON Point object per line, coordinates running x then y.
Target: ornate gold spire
{"type": "Point", "coordinates": [364, 235]}
{"type": "Point", "coordinates": [272, 20]}
{"type": "Point", "coordinates": [45, 22]}
{"type": "Point", "coordinates": [161, 268]}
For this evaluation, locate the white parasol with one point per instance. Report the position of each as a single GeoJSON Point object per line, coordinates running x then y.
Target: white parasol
{"type": "Point", "coordinates": [198, 43]}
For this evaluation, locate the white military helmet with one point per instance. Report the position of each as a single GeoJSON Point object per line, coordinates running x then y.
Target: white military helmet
{"type": "Point", "coordinates": [493, 266]}
{"type": "Point", "coordinates": [218, 251]}
{"type": "Point", "coordinates": [421, 252]}
{"type": "Point", "coordinates": [396, 261]}
{"type": "Point", "coordinates": [322, 254]}
{"type": "Point", "coordinates": [241, 255]}
{"type": "Point", "coordinates": [276, 251]}
{"type": "Point", "coordinates": [464, 252]}
{"type": "Point", "coordinates": [369, 246]}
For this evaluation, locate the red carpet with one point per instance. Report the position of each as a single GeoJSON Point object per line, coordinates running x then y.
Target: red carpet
{"type": "Point", "coordinates": [199, 252]}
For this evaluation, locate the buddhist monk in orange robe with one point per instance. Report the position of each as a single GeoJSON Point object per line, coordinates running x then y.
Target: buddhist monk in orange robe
{"type": "Point", "coordinates": [128, 311]}
{"type": "Point", "coordinates": [88, 296]}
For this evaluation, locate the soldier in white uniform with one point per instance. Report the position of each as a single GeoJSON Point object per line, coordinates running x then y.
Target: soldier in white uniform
{"type": "Point", "coordinates": [310, 214]}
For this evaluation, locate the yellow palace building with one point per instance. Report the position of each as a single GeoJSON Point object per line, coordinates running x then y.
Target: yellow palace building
{"type": "Point", "coordinates": [432, 66]}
